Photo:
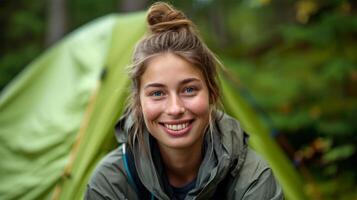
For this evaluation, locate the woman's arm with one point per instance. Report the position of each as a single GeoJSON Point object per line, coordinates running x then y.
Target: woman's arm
{"type": "Point", "coordinates": [255, 181]}
{"type": "Point", "coordinates": [265, 187]}
{"type": "Point", "coordinates": [93, 194]}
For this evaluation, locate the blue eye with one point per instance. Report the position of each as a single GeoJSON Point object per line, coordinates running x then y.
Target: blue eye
{"type": "Point", "coordinates": [157, 94]}
{"type": "Point", "coordinates": [189, 90]}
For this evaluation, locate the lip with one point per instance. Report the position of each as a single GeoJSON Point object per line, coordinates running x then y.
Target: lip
{"type": "Point", "coordinates": [179, 133]}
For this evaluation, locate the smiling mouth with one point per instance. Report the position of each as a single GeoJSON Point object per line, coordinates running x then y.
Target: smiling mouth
{"type": "Point", "coordinates": [177, 126]}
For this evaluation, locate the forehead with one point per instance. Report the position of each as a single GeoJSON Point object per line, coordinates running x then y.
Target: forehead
{"type": "Point", "coordinates": [167, 67]}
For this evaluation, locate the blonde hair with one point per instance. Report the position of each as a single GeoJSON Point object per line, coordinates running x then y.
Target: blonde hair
{"type": "Point", "coordinates": [170, 31]}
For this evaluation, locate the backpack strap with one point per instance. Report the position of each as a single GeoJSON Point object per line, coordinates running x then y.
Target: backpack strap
{"type": "Point", "coordinates": [134, 180]}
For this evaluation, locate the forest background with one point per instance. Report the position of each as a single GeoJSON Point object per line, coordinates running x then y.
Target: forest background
{"type": "Point", "coordinates": [295, 62]}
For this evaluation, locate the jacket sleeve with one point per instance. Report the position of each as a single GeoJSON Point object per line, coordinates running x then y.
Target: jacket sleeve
{"type": "Point", "coordinates": [92, 194]}
{"type": "Point", "coordinates": [255, 181]}
{"type": "Point", "coordinates": [109, 181]}
{"type": "Point", "coordinates": [265, 187]}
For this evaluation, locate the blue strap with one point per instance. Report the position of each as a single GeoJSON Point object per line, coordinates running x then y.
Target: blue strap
{"type": "Point", "coordinates": [134, 180]}
{"type": "Point", "coordinates": [127, 170]}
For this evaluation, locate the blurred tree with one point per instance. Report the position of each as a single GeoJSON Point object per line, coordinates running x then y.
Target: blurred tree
{"type": "Point", "coordinates": [218, 23]}
{"type": "Point", "coordinates": [130, 5]}
{"type": "Point", "coordinates": [22, 35]}
{"type": "Point", "coordinates": [300, 68]}
{"type": "Point", "coordinates": [57, 20]}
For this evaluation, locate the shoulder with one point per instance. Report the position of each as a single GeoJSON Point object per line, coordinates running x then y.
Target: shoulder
{"type": "Point", "coordinates": [226, 121]}
{"type": "Point", "coordinates": [255, 180]}
{"type": "Point", "coordinates": [109, 180]}
{"type": "Point", "coordinates": [254, 165]}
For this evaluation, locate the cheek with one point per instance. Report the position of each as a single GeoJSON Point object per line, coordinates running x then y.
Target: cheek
{"type": "Point", "coordinates": [199, 106]}
{"type": "Point", "coordinates": [151, 110]}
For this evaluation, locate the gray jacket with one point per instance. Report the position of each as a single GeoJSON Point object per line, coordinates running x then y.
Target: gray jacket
{"type": "Point", "coordinates": [229, 168]}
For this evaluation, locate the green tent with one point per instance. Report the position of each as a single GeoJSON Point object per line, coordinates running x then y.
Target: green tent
{"type": "Point", "coordinates": [57, 116]}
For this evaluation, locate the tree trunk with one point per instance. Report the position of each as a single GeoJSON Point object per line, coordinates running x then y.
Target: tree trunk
{"type": "Point", "coordinates": [57, 21]}
{"type": "Point", "coordinates": [219, 27]}
{"type": "Point", "coordinates": [132, 5]}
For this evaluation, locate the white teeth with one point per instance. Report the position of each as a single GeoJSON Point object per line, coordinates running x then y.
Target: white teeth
{"type": "Point", "coordinates": [176, 127]}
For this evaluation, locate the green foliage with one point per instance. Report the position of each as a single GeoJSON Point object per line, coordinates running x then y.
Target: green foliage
{"type": "Point", "coordinates": [26, 25]}
{"type": "Point", "coordinates": [21, 36]}
{"type": "Point", "coordinates": [83, 11]}
{"type": "Point", "coordinates": [339, 153]}
{"type": "Point", "coordinates": [297, 60]}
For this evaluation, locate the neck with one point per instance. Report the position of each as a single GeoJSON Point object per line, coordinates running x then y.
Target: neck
{"type": "Point", "coordinates": [181, 165]}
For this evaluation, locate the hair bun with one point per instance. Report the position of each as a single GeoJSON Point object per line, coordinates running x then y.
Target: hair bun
{"type": "Point", "coordinates": [162, 17]}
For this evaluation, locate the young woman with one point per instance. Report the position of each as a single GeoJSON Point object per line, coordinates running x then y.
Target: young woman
{"type": "Point", "coordinates": [174, 143]}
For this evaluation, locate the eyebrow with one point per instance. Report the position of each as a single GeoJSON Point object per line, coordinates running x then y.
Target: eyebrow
{"type": "Point", "coordinates": [188, 80]}
{"type": "Point", "coordinates": [185, 81]}
{"type": "Point", "coordinates": [154, 85]}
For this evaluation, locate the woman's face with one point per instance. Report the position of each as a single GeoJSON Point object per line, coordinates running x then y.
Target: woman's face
{"type": "Point", "coordinates": [175, 101]}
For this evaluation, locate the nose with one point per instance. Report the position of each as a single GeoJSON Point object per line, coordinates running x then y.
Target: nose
{"type": "Point", "coordinates": [175, 106]}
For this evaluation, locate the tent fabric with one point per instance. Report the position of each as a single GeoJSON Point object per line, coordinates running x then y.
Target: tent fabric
{"type": "Point", "coordinates": [40, 111]}
{"type": "Point", "coordinates": [98, 137]}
